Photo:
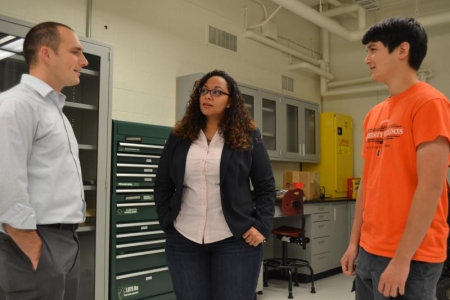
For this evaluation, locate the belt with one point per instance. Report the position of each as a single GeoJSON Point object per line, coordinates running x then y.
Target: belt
{"type": "Point", "coordinates": [62, 226]}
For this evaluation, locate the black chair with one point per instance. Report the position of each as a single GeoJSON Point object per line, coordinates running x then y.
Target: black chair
{"type": "Point", "coordinates": [291, 205]}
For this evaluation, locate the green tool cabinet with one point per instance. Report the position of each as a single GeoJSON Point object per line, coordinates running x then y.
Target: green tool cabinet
{"type": "Point", "coordinates": [138, 267]}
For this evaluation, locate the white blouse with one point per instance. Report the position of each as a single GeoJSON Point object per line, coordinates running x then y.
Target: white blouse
{"type": "Point", "coordinates": [201, 218]}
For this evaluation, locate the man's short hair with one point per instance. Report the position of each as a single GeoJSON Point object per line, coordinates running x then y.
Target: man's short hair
{"type": "Point", "coordinates": [43, 34]}
{"type": "Point", "coordinates": [394, 31]}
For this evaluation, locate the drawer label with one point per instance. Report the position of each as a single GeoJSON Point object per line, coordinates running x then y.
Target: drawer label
{"type": "Point", "coordinates": [128, 211]}
{"type": "Point", "coordinates": [148, 197]}
{"type": "Point", "coordinates": [127, 291]}
{"type": "Point", "coordinates": [122, 149]}
{"type": "Point", "coordinates": [148, 170]}
{"type": "Point", "coordinates": [128, 184]}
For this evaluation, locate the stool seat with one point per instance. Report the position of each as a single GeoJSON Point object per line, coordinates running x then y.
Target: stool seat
{"type": "Point", "coordinates": [288, 231]}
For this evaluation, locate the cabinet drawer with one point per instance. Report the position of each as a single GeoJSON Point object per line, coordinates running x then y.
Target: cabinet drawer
{"type": "Point", "coordinates": [136, 168]}
{"type": "Point", "coordinates": [126, 196]}
{"type": "Point", "coordinates": [142, 260]}
{"type": "Point", "coordinates": [320, 262]}
{"type": "Point", "coordinates": [123, 147]}
{"type": "Point", "coordinates": [132, 212]}
{"type": "Point", "coordinates": [132, 180]}
{"type": "Point", "coordinates": [138, 285]}
{"type": "Point", "coordinates": [320, 229]}
{"type": "Point", "coordinates": [144, 245]}
{"type": "Point", "coordinates": [145, 235]}
{"type": "Point", "coordinates": [320, 217]}
{"type": "Point", "coordinates": [318, 208]}
{"type": "Point", "coordinates": [320, 245]}
{"type": "Point", "coordinates": [137, 158]}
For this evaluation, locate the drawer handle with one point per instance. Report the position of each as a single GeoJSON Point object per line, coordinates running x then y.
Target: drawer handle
{"type": "Point", "coordinates": [137, 155]}
{"type": "Point", "coordinates": [142, 273]}
{"type": "Point", "coordinates": [119, 236]}
{"type": "Point", "coordinates": [136, 224]}
{"type": "Point", "coordinates": [136, 165]}
{"type": "Point", "coordinates": [141, 145]}
{"type": "Point", "coordinates": [122, 256]}
{"type": "Point", "coordinates": [135, 191]}
{"type": "Point", "coordinates": [135, 175]}
{"type": "Point", "coordinates": [135, 204]}
{"type": "Point", "coordinates": [139, 244]}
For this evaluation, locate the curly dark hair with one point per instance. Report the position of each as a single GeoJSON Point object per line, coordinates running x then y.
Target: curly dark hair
{"type": "Point", "coordinates": [235, 125]}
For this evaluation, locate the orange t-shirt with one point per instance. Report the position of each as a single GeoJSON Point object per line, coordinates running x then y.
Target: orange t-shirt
{"type": "Point", "coordinates": [393, 130]}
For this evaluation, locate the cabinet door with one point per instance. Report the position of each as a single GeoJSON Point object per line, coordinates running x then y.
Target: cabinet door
{"type": "Point", "coordinates": [339, 235]}
{"type": "Point", "coordinates": [292, 147]}
{"type": "Point", "coordinates": [250, 99]}
{"type": "Point", "coordinates": [309, 133]}
{"type": "Point", "coordinates": [270, 123]}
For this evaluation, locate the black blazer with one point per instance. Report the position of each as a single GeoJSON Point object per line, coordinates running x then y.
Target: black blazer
{"type": "Point", "coordinates": [241, 208]}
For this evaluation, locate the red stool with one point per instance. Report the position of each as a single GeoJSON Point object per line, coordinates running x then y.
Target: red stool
{"type": "Point", "coordinates": [291, 205]}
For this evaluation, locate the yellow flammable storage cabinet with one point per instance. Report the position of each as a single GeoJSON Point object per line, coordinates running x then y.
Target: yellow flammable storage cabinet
{"type": "Point", "coordinates": [138, 269]}
{"type": "Point", "coordinates": [336, 154]}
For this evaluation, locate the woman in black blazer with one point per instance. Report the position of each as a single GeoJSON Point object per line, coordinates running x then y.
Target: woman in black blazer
{"type": "Point", "coordinates": [215, 223]}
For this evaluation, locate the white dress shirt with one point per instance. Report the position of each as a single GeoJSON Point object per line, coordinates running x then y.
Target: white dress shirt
{"type": "Point", "coordinates": [40, 173]}
{"type": "Point", "coordinates": [201, 216]}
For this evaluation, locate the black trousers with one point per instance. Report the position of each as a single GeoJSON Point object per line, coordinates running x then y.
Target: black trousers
{"type": "Point", "coordinates": [57, 275]}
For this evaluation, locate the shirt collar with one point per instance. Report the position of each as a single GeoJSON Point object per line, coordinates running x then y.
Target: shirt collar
{"type": "Point", "coordinates": [44, 90]}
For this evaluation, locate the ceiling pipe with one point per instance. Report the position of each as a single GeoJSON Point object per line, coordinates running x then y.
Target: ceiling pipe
{"type": "Point", "coordinates": [363, 89]}
{"type": "Point", "coordinates": [89, 19]}
{"type": "Point", "coordinates": [317, 18]}
{"type": "Point", "coordinates": [308, 66]}
{"type": "Point", "coordinates": [278, 46]}
{"type": "Point", "coordinates": [433, 20]}
{"type": "Point", "coordinates": [266, 20]}
{"type": "Point", "coordinates": [341, 83]}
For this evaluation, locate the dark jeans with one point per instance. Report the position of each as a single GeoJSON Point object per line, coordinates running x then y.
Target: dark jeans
{"type": "Point", "coordinates": [224, 270]}
{"type": "Point", "coordinates": [58, 272]}
{"type": "Point", "coordinates": [420, 285]}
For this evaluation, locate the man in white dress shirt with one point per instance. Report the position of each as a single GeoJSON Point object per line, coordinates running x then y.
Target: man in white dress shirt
{"type": "Point", "coordinates": [41, 188]}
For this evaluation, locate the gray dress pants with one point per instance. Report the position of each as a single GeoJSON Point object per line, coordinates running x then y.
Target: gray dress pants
{"type": "Point", "coordinates": [58, 272]}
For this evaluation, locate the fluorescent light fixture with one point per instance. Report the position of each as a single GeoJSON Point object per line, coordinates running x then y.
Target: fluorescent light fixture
{"type": "Point", "coordinates": [5, 54]}
{"type": "Point", "coordinates": [6, 39]}
{"type": "Point", "coordinates": [16, 46]}
{"type": "Point", "coordinates": [12, 48]}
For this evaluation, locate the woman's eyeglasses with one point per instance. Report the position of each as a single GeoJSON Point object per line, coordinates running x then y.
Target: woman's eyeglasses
{"type": "Point", "coordinates": [214, 93]}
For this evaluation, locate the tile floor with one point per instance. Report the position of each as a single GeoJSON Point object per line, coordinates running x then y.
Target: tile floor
{"type": "Point", "coordinates": [335, 287]}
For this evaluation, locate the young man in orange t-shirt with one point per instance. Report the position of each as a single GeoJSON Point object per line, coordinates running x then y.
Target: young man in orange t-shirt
{"type": "Point", "coordinates": [399, 235]}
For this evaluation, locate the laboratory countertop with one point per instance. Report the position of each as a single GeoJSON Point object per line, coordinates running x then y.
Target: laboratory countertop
{"type": "Point", "coordinates": [326, 200]}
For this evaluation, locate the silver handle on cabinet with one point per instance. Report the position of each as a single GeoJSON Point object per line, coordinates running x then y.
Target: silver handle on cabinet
{"type": "Point", "coordinates": [124, 235]}
{"type": "Point", "coordinates": [135, 204]}
{"type": "Point", "coordinates": [135, 191]}
{"type": "Point", "coordinates": [136, 224]}
{"type": "Point", "coordinates": [122, 256]}
{"type": "Point", "coordinates": [140, 244]}
{"type": "Point", "coordinates": [141, 145]}
{"type": "Point", "coordinates": [142, 273]}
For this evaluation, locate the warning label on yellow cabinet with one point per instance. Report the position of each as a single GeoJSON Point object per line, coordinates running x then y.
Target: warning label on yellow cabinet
{"type": "Point", "coordinates": [343, 146]}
